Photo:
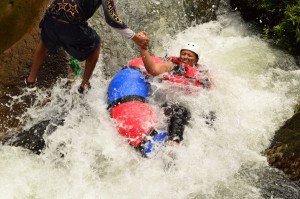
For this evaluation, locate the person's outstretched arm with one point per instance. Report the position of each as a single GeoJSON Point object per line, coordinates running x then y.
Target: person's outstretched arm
{"type": "Point", "coordinates": [151, 67]}
{"type": "Point", "coordinates": [113, 20]}
{"type": "Point", "coordinates": [155, 68]}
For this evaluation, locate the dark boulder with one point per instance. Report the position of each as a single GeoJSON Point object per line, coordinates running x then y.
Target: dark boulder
{"type": "Point", "coordinates": [284, 151]}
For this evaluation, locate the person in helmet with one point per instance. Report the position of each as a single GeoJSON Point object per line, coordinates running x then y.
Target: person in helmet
{"type": "Point", "coordinates": [183, 69]}
{"type": "Point", "coordinates": [65, 25]}
{"type": "Point", "coordinates": [189, 55]}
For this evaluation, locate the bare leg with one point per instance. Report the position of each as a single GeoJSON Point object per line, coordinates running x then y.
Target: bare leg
{"type": "Point", "coordinates": [38, 58]}
{"type": "Point", "coordinates": [90, 64]}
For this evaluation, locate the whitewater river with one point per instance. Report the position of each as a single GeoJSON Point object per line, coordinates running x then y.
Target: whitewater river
{"type": "Point", "coordinates": [255, 90]}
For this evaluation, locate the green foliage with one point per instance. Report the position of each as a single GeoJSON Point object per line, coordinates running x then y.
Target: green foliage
{"type": "Point", "coordinates": [281, 19]}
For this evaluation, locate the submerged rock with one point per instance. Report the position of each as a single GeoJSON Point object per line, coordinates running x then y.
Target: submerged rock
{"type": "Point", "coordinates": [33, 139]}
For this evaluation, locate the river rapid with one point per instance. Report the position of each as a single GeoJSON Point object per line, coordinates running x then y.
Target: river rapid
{"type": "Point", "coordinates": [255, 90]}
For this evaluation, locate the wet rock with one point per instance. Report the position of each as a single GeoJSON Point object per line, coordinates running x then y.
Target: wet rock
{"type": "Point", "coordinates": [16, 19]}
{"type": "Point", "coordinates": [248, 12]}
{"type": "Point", "coordinates": [54, 67]}
{"type": "Point", "coordinates": [33, 139]}
{"type": "Point", "coordinates": [284, 151]}
{"type": "Point", "coordinates": [198, 11]}
{"type": "Point", "coordinates": [19, 23]}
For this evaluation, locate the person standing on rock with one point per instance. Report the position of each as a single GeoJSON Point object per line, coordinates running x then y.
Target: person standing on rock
{"type": "Point", "coordinates": [65, 25]}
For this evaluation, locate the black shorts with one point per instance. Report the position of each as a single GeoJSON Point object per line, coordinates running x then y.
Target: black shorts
{"type": "Point", "coordinates": [79, 40]}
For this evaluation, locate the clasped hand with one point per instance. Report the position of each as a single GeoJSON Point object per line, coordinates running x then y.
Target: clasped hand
{"type": "Point", "coordinates": [141, 39]}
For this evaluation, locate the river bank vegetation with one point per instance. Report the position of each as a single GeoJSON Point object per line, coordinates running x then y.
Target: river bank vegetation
{"type": "Point", "coordinates": [280, 20]}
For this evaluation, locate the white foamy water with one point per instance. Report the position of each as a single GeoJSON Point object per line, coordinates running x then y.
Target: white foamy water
{"type": "Point", "coordinates": [255, 89]}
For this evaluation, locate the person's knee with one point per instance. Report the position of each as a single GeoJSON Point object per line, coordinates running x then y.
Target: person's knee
{"type": "Point", "coordinates": [178, 120]}
{"type": "Point", "coordinates": [94, 55]}
{"type": "Point", "coordinates": [183, 113]}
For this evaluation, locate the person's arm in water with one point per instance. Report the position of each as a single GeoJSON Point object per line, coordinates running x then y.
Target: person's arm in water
{"type": "Point", "coordinates": [113, 20]}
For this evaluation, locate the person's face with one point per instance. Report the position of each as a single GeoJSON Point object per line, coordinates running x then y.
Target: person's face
{"type": "Point", "coordinates": [188, 57]}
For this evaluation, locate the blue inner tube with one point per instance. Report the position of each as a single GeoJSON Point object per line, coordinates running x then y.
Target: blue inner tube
{"type": "Point", "coordinates": [127, 82]}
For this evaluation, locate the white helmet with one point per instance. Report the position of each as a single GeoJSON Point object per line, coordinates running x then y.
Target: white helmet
{"type": "Point", "coordinates": [192, 47]}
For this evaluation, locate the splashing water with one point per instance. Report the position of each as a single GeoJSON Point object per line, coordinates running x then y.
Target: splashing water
{"type": "Point", "coordinates": [255, 90]}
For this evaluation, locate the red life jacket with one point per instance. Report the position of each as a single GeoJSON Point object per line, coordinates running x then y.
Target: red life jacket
{"type": "Point", "coordinates": [182, 73]}
{"type": "Point", "coordinates": [185, 74]}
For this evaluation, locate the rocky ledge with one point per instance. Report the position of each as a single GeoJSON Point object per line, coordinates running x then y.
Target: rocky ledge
{"type": "Point", "coordinates": [284, 151]}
